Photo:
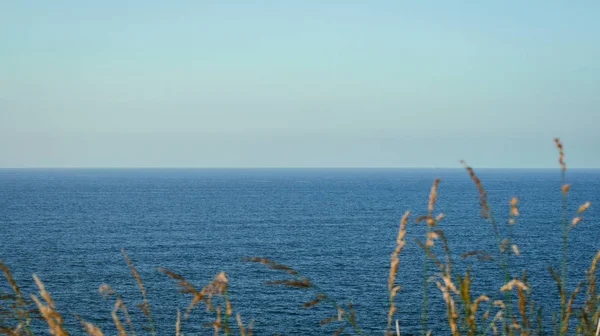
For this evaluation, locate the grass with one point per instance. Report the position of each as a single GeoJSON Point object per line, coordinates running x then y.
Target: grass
{"type": "Point", "coordinates": [513, 312]}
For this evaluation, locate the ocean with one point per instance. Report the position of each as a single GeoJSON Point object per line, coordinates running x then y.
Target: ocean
{"type": "Point", "coordinates": [337, 227]}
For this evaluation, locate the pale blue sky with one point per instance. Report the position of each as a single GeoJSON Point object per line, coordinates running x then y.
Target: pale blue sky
{"type": "Point", "coordinates": [298, 83]}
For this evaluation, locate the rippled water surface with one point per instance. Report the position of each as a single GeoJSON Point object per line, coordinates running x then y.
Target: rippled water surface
{"type": "Point", "coordinates": [336, 226]}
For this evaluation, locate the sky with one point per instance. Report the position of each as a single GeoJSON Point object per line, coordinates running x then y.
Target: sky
{"type": "Point", "coordinates": [299, 83]}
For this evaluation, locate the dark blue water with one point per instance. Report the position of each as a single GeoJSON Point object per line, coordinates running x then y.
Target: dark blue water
{"type": "Point", "coordinates": [337, 227]}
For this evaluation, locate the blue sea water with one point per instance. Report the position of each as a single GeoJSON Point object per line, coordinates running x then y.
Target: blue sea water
{"type": "Point", "coordinates": [335, 226]}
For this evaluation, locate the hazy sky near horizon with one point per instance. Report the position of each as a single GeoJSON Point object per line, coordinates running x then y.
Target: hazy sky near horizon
{"type": "Point", "coordinates": [298, 83]}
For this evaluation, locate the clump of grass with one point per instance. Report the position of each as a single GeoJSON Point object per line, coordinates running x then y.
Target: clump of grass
{"type": "Point", "coordinates": [466, 313]}
{"type": "Point", "coordinates": [216, 289]}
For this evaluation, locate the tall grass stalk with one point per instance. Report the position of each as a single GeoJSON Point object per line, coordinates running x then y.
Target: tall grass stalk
{"type": "Point", "coordinates": [564, 191]}
{"type": "Point", "coordinates": [487, 214]}
{"type": "Point", "coordinates": [144, 306]}
{"type": "Point", "coordinates": [429, 221]}
{"type": "Point", "coordinates": [394, 262]}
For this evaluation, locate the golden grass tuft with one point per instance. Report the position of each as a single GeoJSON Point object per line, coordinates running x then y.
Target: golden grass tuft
{"type": "Point", "coordinates": [578, 218]}
{"type": "Point", "coordinates": [583, 207]}
{"type": "Point", "coordinates": [433, 194]}
{"type": "Point", "coordinates": [512, 284]}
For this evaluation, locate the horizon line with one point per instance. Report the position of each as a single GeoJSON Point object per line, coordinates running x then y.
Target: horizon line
{"type": "Point", "coordinates": [277, 167]}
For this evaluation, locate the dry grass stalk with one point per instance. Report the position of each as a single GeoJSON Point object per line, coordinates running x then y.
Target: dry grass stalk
{"type": "Point", "coordinates": [583, 207]}
{"type": "Point", "coordinates": [249, 329]}
{"type": "Point", "coordinates": [187, 288]}
{"type": "Point", "coordinates": [464, 287]}
{"type": "Point", "coordinates": [144, 305]}
{"type": "Point", "coordinates": [238, 318]}
{"type": "Point", "coordinates": [394, 262]}
{"type": "Point", "coordinates": [228, 308]}
{"type": "Point", "coordinates": [271, 264]}
{"type": "Point", "coordinates": [48, 311]}
{"type": "Point", "coordinates": [503, 244]}
{"type": "Point", "coordinates": [562, 281]}
{"type": "Point", "coordinates": [116, 321]}
{"type": "Point", "coordinates": [480, 255]}
{"type": "Point", "coordinates": [499, 315]}
{"type": "Point", "coordinates": [304, 283]}
{"type": "Point", "coordinates": [589, 319]}
{"type": "Point", "coordinates": [483, 200]}
{"type": "Point", "coordinates": [574, 222]}
{"type": "Point", "coordinates": [19, 309]}
{"type": "Point", "coordinates": [313, 302]}
{"type": "Point", "coordinates": [430, 254]}
{"type": "Point", "coordinates": [89, 327]}
{"type": "Point", "coordinates": [328, 320]}
{"type": "Point", "coordinates": [580, 210]}
{"type": "Point", "coordinates": [178, 323]}
{"type": "Point", "coordinates": [10, 331]}
{"type": "Point", "coordinates": [339, 330]}
{"type": "Point", "coordinates": [560, 286]}
{"type": "Point", "coordinates": [566, 306]}
{"type": "Point", "coordinates": [470, 307]}
{"type": "Point", "coordinates": [106, 291]}
{"type": "Point", "coordinates": [300, 281]}
{"type": "Point", "coordinates": [217, 286]}
{"type": "Point", "coordinates": [515, 249]}
{"type": "Point", "coordinates": [433, 195]}
{"type": "Point", "coordinates": [522, 303]}
{"type": "Point", "coordinates": [450, 305]}
{"type": "Point", "coordinates": [514, 210]}
{"type": "Point", "coordinates": [569, 310]}
{"type": "Point", "coordinates": [561, 154]}
{"type": "Point", "coordinates": [446, 286]}
{"type": "Point", "coordinates": [44, 293]}
{"type": "Point", "coordinates": [428, 242]}
{"type": "Point", "coordinates": [513, 283]}
{"type": "Point", "coordinates": [12, 283]}
{"type": "Point", "coordinates": [217, 323]}
{"type": "Point", "coordinates": [351, 314]}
